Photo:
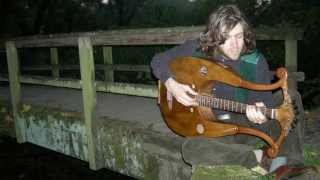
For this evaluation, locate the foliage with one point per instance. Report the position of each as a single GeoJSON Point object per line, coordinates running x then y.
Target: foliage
{"type": "Point", "coordinates": [311, 156]}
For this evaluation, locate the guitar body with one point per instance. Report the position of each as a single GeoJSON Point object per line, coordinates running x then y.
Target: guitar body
{"type": "Point", "coordinates": [201, 75]}
{"type": "Point", "coordinates": [195, 121]}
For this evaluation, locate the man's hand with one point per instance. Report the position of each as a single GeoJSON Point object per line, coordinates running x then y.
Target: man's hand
{"type": "Point", "coordinates": [180, 92]}
{"type": "Point", "coordinates": [254, 113]}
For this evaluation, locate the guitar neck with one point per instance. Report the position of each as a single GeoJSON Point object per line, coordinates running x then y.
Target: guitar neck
{"type": "Point", "coordinates": [229, 105]}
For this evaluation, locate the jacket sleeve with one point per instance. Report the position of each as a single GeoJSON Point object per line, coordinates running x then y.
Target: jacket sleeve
{"type": "Point", "coordinates": [160, 62]}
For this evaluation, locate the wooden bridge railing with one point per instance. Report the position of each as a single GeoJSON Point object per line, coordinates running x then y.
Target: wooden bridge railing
{"type": "Point", "coordinates": [155, 36]}
{"type": "Point", "coordinates": [107, 39]}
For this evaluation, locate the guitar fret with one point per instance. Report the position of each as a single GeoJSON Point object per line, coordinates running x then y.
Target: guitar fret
{"type": "Point", "coordinates": [222, 103]}
{"type": "Point", "coordinates": [207, 101]}
{"type": "Point", "coordinates": [216, 103]}
{"type": "Point", "coordinates": [227, 104]}
{"type": "Point", "coordinates": [231, 106]}
{"type": "Point", "coordinates": [236, 106]}
{"type": "Point", "coordinates": [273, 116]}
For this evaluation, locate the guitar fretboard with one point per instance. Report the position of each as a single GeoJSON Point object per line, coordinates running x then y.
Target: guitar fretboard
{"type": "Point", "coordinates": [229, 105]}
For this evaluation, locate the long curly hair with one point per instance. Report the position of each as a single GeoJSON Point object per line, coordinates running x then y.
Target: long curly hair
{"type": "Point", "coordinates": [227, 17]}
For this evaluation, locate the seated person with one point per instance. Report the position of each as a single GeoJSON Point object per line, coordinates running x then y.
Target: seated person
{"type": "Point", "coordinates": [228, 39]}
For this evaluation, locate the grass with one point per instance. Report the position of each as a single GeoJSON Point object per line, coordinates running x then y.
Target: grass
{"type": "Point", "coordinates": [312, 156]}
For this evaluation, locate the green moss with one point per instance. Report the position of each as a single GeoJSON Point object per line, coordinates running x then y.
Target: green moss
{"type": "Point", "coordinates": [122, 151]}
{"type": "Point", "coordinates": [311, 155]}
{"type": "Point", "coordinates": [37, 112]}
{"type": "Point", "coordinates": [227, 172]}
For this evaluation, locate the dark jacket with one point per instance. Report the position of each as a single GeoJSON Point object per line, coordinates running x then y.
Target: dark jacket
{"type": "Point", "coordinates": [160, 69]}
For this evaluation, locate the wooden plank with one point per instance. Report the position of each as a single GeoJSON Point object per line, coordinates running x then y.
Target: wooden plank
{"type": "Point", "coordinates": [150, 36]}
{"type": "Point", "coordinates": [15, 90]}
{"type": "Point", "coordinates": [291, 55]}
{"type": "Point", "coordinates": [54, 62]}
{"type": "Point", "coordinates": [89, 95]}
{"type": "Point", "coordinates": [108, 60]}
{"type": "Point", "coordinates": [291, 59]}
{"type": "Point", "coordinates": [118, 67]}
{"type": "Point", "coordinates": [142, 90]}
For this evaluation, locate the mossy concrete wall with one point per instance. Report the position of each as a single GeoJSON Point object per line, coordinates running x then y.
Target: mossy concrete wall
{"type": "Point", "coordinates": [225, 172]}
{"type": "Point", "coordinates": [125, 147]}
{"type": "Point", "coordinates": [122, 146]}
{"type": "Point", "coordinates": [149, 155]}
{"type": "Point", "coordinates": [54, 129]}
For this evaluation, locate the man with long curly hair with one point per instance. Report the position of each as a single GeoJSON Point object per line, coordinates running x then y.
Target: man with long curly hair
{"type": "Point", "coordinates": [229, 39]}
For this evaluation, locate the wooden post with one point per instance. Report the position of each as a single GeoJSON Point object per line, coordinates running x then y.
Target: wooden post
{"type": "Point", "coordinates": [291, 48]}
{"type": "Point", "coordinates": [15, 90]}
{"type": "Point", "coordinates": [88, 94]}
{"type": "Point", "coordinates": [54, 62]}
{"type": "Point", "coordinates": [108, 60]}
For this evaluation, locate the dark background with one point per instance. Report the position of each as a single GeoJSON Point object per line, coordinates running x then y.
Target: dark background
{"type": "Point", "coordinates": [26, 161]}
{"type": "Point", "coordinates": [33, 17]}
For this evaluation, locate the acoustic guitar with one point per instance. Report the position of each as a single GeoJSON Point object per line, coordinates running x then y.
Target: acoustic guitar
{"type": "Point", "coordinates": [200, 120]}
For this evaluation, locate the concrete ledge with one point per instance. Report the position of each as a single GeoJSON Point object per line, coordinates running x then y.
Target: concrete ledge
{"type": "Point", "coordinates": [129, 149]}
{"type": "Point", "coordinates": [225, 172]}
{"type": "Point", "coordinates": [132, 148]}
{"type": "Point", "coordinates": [125, 147]}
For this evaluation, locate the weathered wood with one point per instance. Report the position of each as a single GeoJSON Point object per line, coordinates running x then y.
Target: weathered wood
{"type": "Point", "coordinates": [89, 95]}
{"type": "Point", "coordinates": [118, 67]}
{"type": "Point", "coordinates": [15, 90]}
{"type": "Point", "coordinates": [142, 90]}
{"type": "Point", "coordinates": [120, 88]}
{"type": "Point", "coordinates": [151, 36]}
{"type": "Point", "coordinates": [107, 60]}
{"type": "Point", "coordinates": [291, 59]}
{"type": "Point", "coordinates": [54, 62]}
{"type": "Point", "coordinates": [291, 49]}
{"type": "Point", "coordinates": [155, 36]}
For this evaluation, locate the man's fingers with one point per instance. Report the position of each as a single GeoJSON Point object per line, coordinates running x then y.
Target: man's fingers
{"type": "Point", "coordinates": [181, 92]}
{"type": "Point", "coordinates": [254, 113]}
{"type": "Point", "coordinates": [259, 115]}
{"type": "Point", "coordinates": [260, 104]}
{"type": "Point", "coordinates": [186, 100]}
{"type": "Point", "coordinates": [249, 113]}
{"type": "Point", "coordinates": [189, 90]}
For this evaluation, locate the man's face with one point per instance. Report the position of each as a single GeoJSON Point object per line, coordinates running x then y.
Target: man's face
{"type": "Point", "coordinates": [234, 43]}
